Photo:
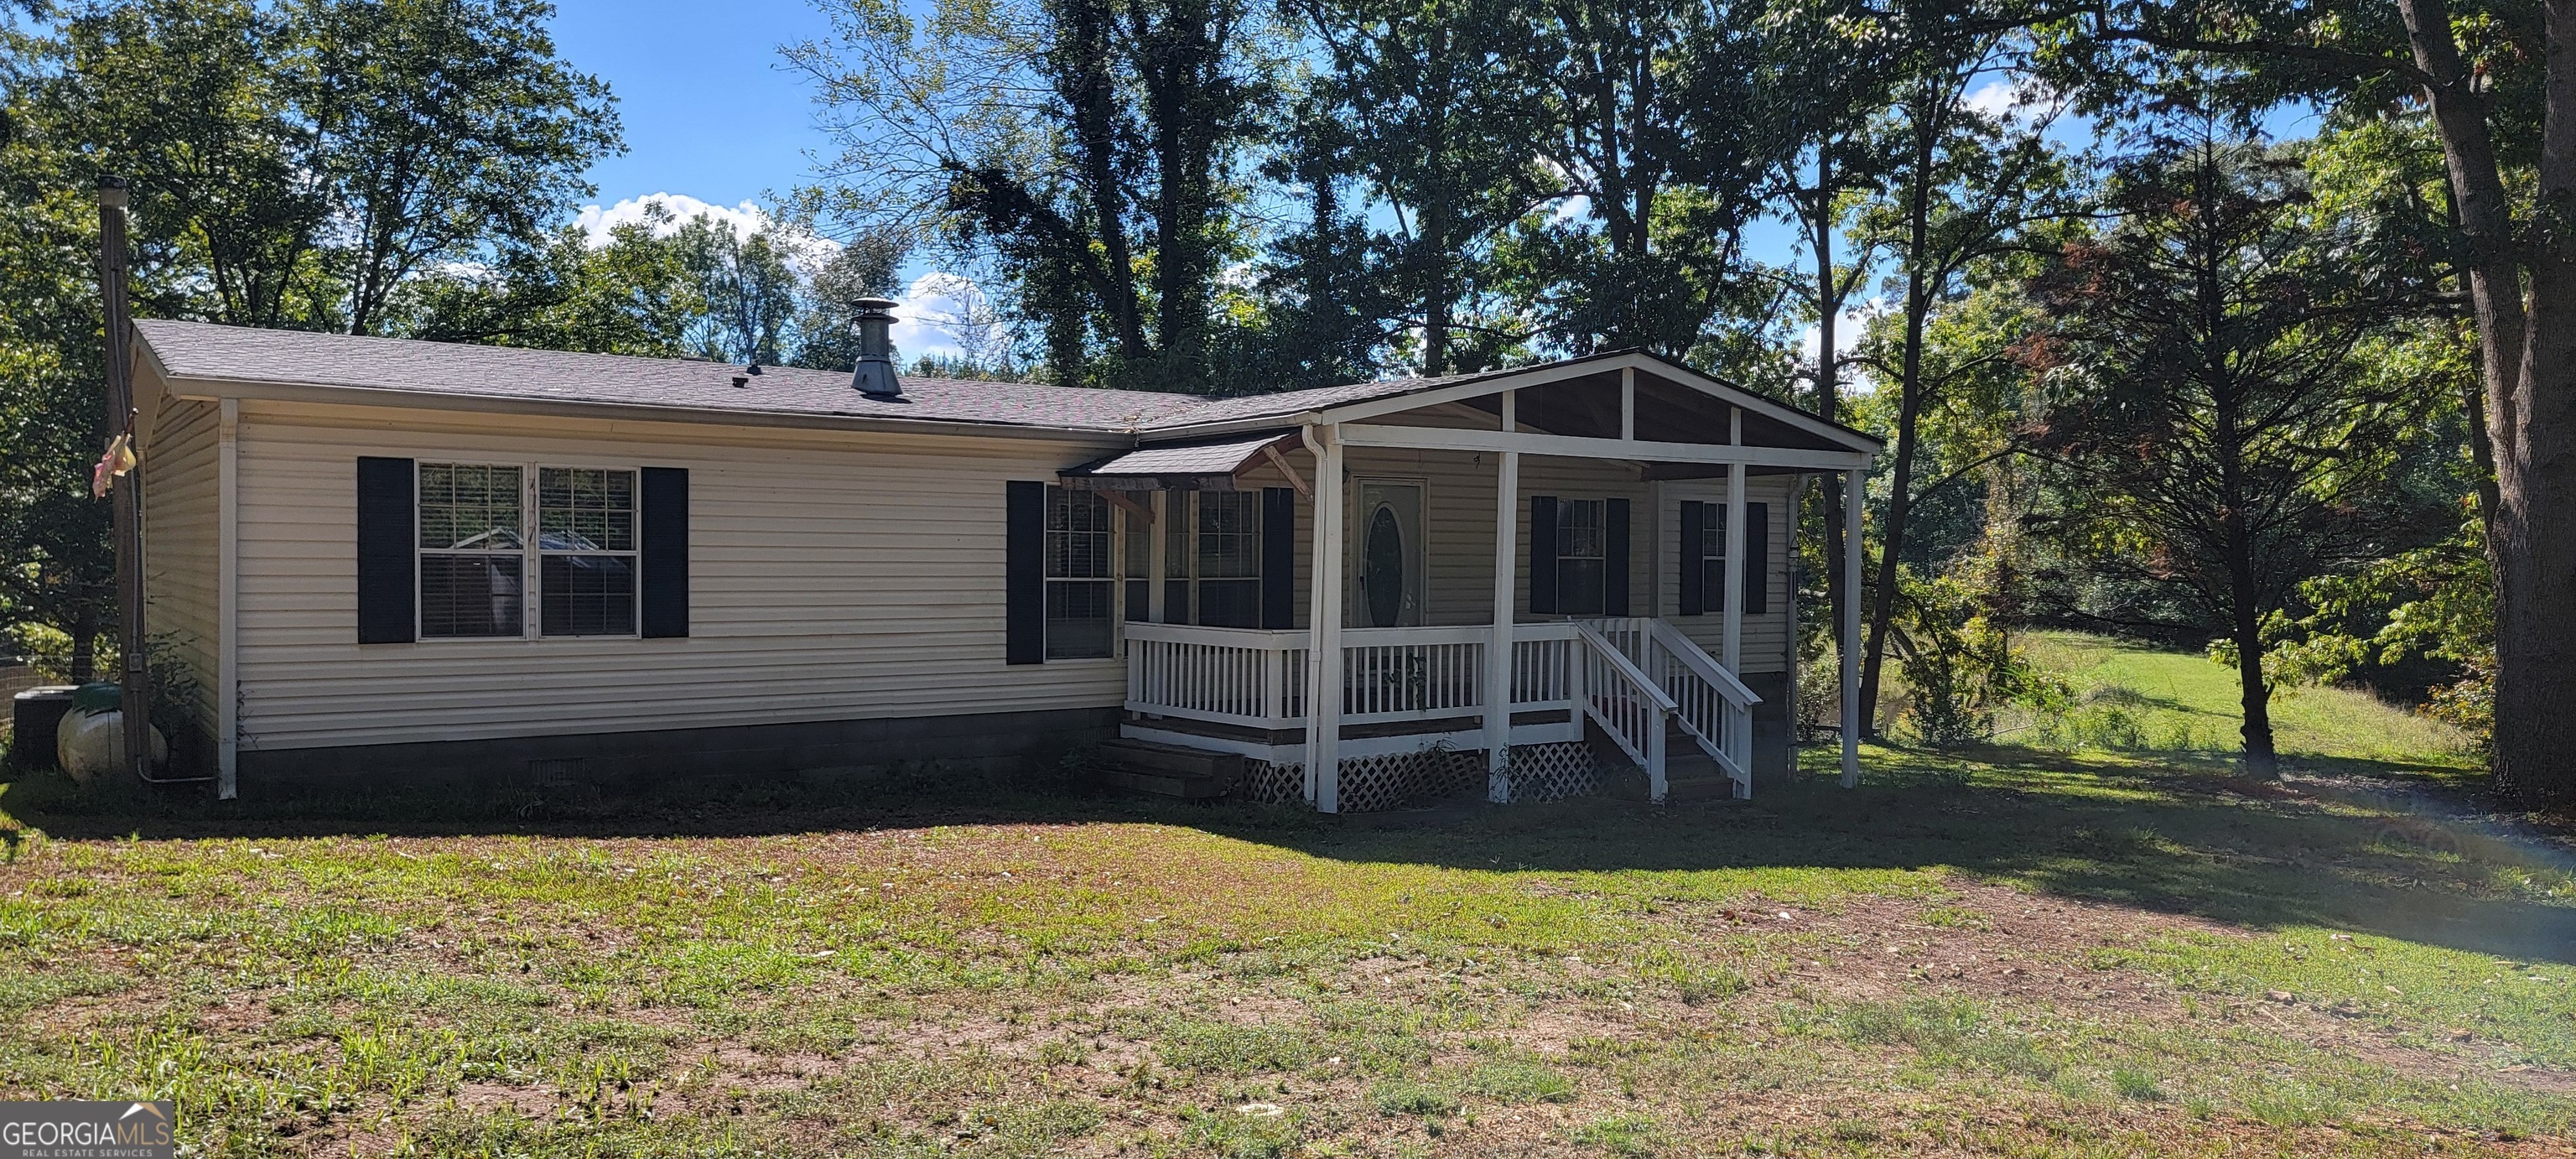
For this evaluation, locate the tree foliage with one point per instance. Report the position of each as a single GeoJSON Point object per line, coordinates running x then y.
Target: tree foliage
{"type": "Point", "coordinates": [2211, 404]}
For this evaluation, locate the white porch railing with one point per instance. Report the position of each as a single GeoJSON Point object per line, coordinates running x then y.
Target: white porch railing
{"type": "Point", "coordinates": [1629, 675]}
{"type": "Point", "coordinates": [1257, 677]}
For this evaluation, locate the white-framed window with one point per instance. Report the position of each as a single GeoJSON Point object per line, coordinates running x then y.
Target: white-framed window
{"type": "Point", "coordinates": [586, 551]}
{"type": "Point", "coordinates": [1081, 592]}
{"type": "Point", "coordinates": [1212, 559]}
{"type": "Point", "coordinates": [473, 555]}
{"type": "Point", "coordinates": [476, 554]}
{"type": "Point", "coordinates": [1712, 555]}
{"type": "Point", "coordinates": [1582, 556]}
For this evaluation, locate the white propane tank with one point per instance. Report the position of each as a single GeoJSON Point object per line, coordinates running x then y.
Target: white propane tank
{"type": "Point", "coordinates": [91, 743]}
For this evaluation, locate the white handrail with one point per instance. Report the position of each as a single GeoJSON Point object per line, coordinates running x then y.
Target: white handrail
{"type": "Point", "coordinates": [1621, 664]}
{"type": "Point", "coordinates": [1634, 714]}
{"type": "Point", "coordinates": [1709, 692]}
{"type": "Point", "coordinates": [1689, 652]}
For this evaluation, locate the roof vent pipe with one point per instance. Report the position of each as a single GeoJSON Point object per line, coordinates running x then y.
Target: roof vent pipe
{"type": "Point", "coordinates": [875, 374]}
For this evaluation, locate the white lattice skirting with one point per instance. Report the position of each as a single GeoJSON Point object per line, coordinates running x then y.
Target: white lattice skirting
{"type": "Point", "coordinates": [1541, 772]}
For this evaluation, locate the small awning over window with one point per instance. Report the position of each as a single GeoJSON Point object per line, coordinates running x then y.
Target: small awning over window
{"type": "Point", "coordinates": [1177, 467]}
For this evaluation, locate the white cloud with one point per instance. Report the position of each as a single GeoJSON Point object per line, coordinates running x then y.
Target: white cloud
{"type": "Point", "coordinates": [1996, 98]}
{"type": "Point", "coordinates": [940, 313]}
{"type": "Point", "coordinates": [2018, 100]}
{"type": "Point", "coordinates": [745, 218]}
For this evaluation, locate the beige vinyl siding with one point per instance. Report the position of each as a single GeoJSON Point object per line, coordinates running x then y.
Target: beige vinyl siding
{"type": "Point", "coordinates": [182, 526]}
{"type": "Point", "coordinates": [1766, 636]}
{"type": "Point", "coordinates": [833, 576]}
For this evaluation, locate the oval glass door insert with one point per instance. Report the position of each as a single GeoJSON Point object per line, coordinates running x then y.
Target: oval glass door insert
{"type": "Point", "coordinates": [1383, 564]}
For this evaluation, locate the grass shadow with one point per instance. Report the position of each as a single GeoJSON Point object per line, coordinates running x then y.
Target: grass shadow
{"type": "Point", "coordinates": [2174, 834]}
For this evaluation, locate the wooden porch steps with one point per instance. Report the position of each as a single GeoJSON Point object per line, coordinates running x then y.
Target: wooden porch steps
{"type": "Point", "coordinates": [1168, 770]}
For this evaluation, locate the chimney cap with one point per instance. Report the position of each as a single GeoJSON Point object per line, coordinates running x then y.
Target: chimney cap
{"type": "Point", "coordinates": [875, 305]}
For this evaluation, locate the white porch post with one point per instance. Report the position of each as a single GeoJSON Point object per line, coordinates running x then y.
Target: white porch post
{"type": "Point", "coordinates": [1158, 533]}
{"type": "Point", "coordinates": [1850, 646]}
{"type": "Point", "coordinates": [1731, 650]}
{"type": "Point", "coordinates": [1498, 660]}
{"type": "Point", "coordinates": [1498, 655]}
{"type": "Point", "coordinates": [1324, 648]}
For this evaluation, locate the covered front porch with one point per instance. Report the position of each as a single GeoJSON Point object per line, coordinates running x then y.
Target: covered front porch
{"type": "Point", "coordinates": [1495, 570]}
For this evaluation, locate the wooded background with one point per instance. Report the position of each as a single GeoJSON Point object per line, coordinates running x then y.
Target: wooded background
{"type": "Point", "coordinates": [2147, 363]}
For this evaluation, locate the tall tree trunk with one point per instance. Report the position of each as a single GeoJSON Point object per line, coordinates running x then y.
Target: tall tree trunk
{"type": "Point", "coordinates": [1829, 304]}
{"type": "Point", "coordinates": [2528, 364]}
{"type": "Point", "coordinates": [1891, 539]}
{"type": "Point", "coordinates": [2535, 540]}
{"type": "Point", "coordinates": [2254, 692]}
{"type": "Point", "coordinates": [1436, 303]}
{"type": "Point", "coordinates": [1084, 42]}
{"type": "Point", "coordinates": [1909, 411]}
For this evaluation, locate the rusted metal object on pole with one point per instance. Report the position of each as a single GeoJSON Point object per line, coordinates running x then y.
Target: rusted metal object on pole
{"type": "Point", "coordinates": [126, 492]}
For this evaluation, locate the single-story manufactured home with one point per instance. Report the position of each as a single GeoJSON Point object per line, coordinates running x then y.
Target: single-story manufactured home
{"type": "Point", "coordinates": [385, 559]}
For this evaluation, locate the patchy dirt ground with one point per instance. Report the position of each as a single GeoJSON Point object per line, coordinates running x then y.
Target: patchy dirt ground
{"type": "Point", "coordinates": [2096, 964]}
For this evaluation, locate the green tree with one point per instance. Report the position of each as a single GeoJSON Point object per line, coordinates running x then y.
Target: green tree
{"type": "Point", "coordinates": [1422, 105]}
{"type": "Point", "coordinates": [295, 165]}
{"type": "Point", "coordinates": [1963, 186]}
{"type": "Point", "coordinates": [632, 295]}
{"type": "Point", "coordinates": [1667, 119]}
{"type": "Point", "coordinates": [2494, 80]}
{"type": "Point", "coordinates": [443, 129]}
{"type": "Point", "coordinates": [748, 285]}
{"type": "Point", "coordinates": [184, 99]}
{"type": "Point", "coordinates": [827, 336]}
{"type": "Point", "coordinates": [2211, 416]}
{"type": "Point", "coordinates": [1084, 153]}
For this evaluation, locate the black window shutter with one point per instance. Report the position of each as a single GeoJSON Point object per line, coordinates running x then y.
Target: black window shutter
{"type": "Point", "coordinates": [1542, 582]}
{"type": "Point", "coordinates": [1694, 578]}
{"type": "Point", "coordinates": [1278, 557]}
{"type": "Point", "coordinates": [385, 581]}
{"type": "Point", "coordinates": [1024, 574]}
{"type": "Point", "coordinates": [664, 555]}
{"type": "Point", "coordinates": [1614, 568]}
{"type": "Point", "coordinates": [1757, 558]}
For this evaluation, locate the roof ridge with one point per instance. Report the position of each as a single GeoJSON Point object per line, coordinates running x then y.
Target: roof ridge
{"type": "Point", "coordinates": [647, 359]}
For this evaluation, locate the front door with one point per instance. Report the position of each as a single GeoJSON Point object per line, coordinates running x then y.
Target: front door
{"type": "Point", "coordinates": [1387, 559]}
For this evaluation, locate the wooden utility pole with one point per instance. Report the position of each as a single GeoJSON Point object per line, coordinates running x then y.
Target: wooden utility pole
{"type": "Point", "coordinates": [126, 494]}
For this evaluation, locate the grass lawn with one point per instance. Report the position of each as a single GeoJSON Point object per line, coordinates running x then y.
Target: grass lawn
{"type": "Point", "coordinates": [2006, 950]}
{"type": "Point", "coordinates": [2135, 697]}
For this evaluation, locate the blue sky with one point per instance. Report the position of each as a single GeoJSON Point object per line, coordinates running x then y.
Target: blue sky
{"type": "Point", "coordinates": [713, 121]}
{"type": "Point", "coordinates": [709, 113]}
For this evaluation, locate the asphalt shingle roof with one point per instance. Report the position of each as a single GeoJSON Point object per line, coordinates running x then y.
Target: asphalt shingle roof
{"type": "Point", "coordinates": [202, 350]}
{"type": "Point", "coordinates": [1185, 459]}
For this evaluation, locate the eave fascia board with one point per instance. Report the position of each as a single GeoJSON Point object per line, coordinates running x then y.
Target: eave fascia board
{"type": "Point", "coordinates": [1195, 432]}
{"type": "Point", "coordinates": [211, 388]}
